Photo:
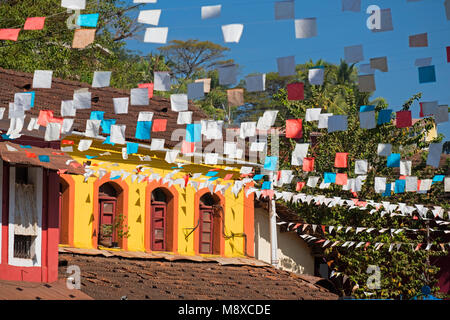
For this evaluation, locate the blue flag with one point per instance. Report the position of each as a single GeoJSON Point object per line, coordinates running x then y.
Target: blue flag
{"type": "Point", "coordinates": [270, 163]}
{"type": "Point", "coordinates": [143, 130]}
{"type": "Point", "coordinates": [388, 191]}
{"type": "Point", "coordinates": [193, 132]}
{"type": "Point", "coordinates": [427, 74]}
{"type": "Point", "coordinates": [400, 186]}
{"type": "Point", "coordinates": [393, 161]}
{"type": "Point", "coordinates": [384, 116]}
{"type": "Point", "coordinates": [44, 158]}
{"type": "Point", "coordinates": [96, 115]}
{"type": "Point", "coordinates": [106, 125]}
{"type": "Point", "coordinates": [329, 177]}
{"type": "Point", "coordinates": [88, 20]}
{"type": "Point", "coordinates": [132, 147]}
{"type": "Point", "coordinates": [266, 185]}
{"type": "Point", "coordinates": [366, 108]}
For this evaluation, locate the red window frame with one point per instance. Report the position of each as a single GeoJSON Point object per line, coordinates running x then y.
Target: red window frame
{"type": "Point", "coordinates": [102, 202]}
{"type": "Point", "coordinates": [207, 210]}
{"type": "Point", "coordinates": [158, 244]}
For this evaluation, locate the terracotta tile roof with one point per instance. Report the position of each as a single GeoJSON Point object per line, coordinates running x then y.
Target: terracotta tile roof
{"type": "Point", "coordinates": [19, 290]}
{"type": "Point", "coordinates": [162, 256]}
{"type": "Point", "coordinates": [50, 99]}
{"type": "Point", "coordinates": [112, 278]}
{"type": "Point", "coordinates": [56, 161]}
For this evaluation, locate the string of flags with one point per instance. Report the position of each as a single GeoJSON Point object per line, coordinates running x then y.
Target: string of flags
{"type": "Point", "coordinates": [304, 28]}
{"type": "Point", "coordinates": [383, 208]}
{"type": "Point", "coordinates": [213, 130]}
{"type": "Point", "coordinates": [414, 246]}
{"type": "Point", "coordinates": [329, 229]}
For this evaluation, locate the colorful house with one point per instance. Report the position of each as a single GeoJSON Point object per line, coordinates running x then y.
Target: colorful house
{"type": "Point", "coordinates": [29, 221]}
{"type": "Point", "coordinates": [136, 201]}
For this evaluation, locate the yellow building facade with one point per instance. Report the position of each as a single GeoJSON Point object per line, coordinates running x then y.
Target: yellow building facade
{"type": "Point", "coordinates": [162, 210]}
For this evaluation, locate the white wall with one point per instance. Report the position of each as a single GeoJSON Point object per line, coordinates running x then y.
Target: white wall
{"type": "Point", "coordinates": [294, 255]}
{"type": "Point", "coordinates": [35, 175]}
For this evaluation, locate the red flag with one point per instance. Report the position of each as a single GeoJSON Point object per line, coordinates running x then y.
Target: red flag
{"type": "Point", "coordinates": [341, 179]}
{"type": "Point", "coordinates": [295, 91]}
{"type": "Point", "coordinates": [300, 186]}
{"type": "Point", "coordinates": [294, 128]}
{"type": "Point", "coordinates": [45, 116]}
{"type": "Point", "coordinates": [9, 34]}
{"type": "Point", "coordinates": [187, 147]}
{"type": "Point", "coordinates": [30, 154]}
{"type": "Point", "coordinates": [229, 176]}
{"type": "Point", "coordinates": [150, 87]}
{"type": "Point", "coordinates": [308, 164]}
{"type": "Point", "coordinates": [159, 125]}
{"type": "Point", "coordinates": [75, 164]}
{"type": "Point", "coordinates": [35, 23]}
{"type": "Point", "coordinates": [340, 161]}
{"type": "Point", "coordinates": [421, 110]}
{"type": "Point", "coordinates": [404, 119]}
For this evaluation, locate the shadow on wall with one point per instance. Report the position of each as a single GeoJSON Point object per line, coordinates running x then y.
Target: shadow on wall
{"type": "Point", "coordinates": [289, 264]}
{"type": "Point", "coordinates": [294, 255]}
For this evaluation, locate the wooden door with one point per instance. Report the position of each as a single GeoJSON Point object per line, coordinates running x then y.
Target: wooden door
{"type": "Point", "coordinates": [107, 215]}
{"type": "Point", "coordinates": [158, 226]}
{"type": "Point", "coordinates": [206, 229]}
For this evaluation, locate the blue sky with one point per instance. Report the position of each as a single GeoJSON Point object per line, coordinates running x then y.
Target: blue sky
{"type": "Point", "coordinates": [264, 39]}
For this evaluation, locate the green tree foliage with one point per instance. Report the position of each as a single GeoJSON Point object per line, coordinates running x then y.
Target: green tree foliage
{"type": "Point", "coordinates": [405, 271]}
{"type": "Point", "coordinates": [338, 80]}
{"type": "Point", "coordinates": [50, 48]}
{"type": "Point", "coordinates": [192, 56]}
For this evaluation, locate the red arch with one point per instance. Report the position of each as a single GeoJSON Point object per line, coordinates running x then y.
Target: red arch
{"type": "Point", "coordinates": [198, 195]}
{"type": "Point", "coordinates": [172, 207]}
{"type": "Point", "coordinates": [71, 206]}
{"type": "Point", "coordinates": [124, 199]}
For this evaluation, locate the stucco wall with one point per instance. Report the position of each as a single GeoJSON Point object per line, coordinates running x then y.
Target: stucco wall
{"type": "Point", "coordinates": [294, 255]}
{"type": "Point", "coordinates": [86, 215]}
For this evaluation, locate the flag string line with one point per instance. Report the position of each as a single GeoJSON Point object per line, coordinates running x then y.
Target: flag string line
{"type": "Point", "coordinates": [279, 195]}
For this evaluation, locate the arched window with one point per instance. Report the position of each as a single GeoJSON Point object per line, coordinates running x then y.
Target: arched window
{"type": "Point", "coordinates": [161, 220]}
{"type": "Point", "coordinates": [210, 231]}
{"type": "Point", "coordinates": [110, 207]}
